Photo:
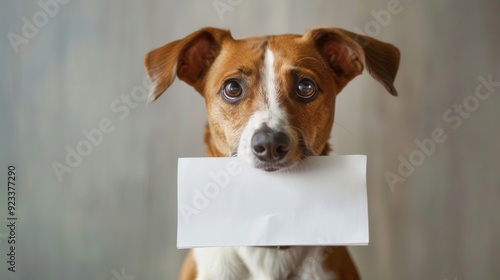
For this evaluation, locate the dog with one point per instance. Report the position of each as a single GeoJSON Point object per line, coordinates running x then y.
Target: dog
{"type": "Point", "coordinates": [271, 101]}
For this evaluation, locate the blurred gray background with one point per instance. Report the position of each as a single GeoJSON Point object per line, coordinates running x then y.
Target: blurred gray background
{"type": "Point", "coordinates": [114, 215]}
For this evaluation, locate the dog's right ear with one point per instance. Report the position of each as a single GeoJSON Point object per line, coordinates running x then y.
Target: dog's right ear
{"type": "Point", "coordinates": [188, 58]}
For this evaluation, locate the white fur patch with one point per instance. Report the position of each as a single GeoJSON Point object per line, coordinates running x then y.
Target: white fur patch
{"type": "Point", "coordinates": [276, 114]}
{"type": "Point", "coordinates": [251, 263]}
{"type": "Point", "coordinates": [271, 114]}
{"type": "Point", "coordinates": [219, 263]}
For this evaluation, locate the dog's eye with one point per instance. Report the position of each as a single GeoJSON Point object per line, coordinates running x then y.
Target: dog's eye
{"type": "Point", "coordinates": [232, 90]}
{"type": "Point", "coordinates": [306, 88]}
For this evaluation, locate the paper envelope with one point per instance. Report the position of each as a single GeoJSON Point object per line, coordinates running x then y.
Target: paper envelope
{"type": "Point", "coordinates": [227, 202]}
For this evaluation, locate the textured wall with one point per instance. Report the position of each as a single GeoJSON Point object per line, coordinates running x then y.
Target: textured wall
{"type": "Point", "coordinates": [116, 209]}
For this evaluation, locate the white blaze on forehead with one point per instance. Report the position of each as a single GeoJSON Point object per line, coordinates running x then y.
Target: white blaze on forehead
{"type": "Point", "coordinates": [276, 115]}
{"type": "Point", "coordinates": [271, 114]}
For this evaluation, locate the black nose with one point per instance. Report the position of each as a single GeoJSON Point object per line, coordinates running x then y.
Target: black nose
{"type": "Point", "coordinates": [269, 145]}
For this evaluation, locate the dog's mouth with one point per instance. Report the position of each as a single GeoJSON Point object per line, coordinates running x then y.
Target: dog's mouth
{"type": "Point", "coordinates": [296, 155]}
{"type": "Point", "coordinates": [270, 166]}
{"type": "Point", "coordinates": [273, 167]}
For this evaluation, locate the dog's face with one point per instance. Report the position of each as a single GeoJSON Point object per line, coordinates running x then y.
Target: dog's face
{"type": "Point", "coordinates": [270, 100]}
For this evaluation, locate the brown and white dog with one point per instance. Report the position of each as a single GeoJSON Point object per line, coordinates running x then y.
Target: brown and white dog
{"type": "Point", "coordinates": [271, 101]}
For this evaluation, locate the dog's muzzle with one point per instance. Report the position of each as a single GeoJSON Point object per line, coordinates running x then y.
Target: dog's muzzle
{"type": "Point", "coordinates": [270, 146]}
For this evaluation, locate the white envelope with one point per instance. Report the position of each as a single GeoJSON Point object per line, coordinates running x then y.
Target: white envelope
{"type": "Point", "coordinates": [226, 202]}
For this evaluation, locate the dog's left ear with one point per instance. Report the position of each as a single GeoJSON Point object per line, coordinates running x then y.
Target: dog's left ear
{"type": "Point", "coordinates": [347, 53]}
{"type": "Point", "coordinates": [188, 58]}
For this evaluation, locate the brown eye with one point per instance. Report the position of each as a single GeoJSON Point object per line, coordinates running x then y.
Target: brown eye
{"type": "Point", "coordinates": [232, 90]}
{"type": "Point", "coordinates": [306, 89]}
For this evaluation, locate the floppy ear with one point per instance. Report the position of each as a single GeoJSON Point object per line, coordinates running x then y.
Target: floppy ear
{"type": "Point", "coordinates": [348, 53]}
{"type": "Point", "coordinates": [188, 58]}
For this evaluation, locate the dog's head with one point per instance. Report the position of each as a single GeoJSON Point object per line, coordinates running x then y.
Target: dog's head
{"type": "Point", "coordinates": [270, 100]}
